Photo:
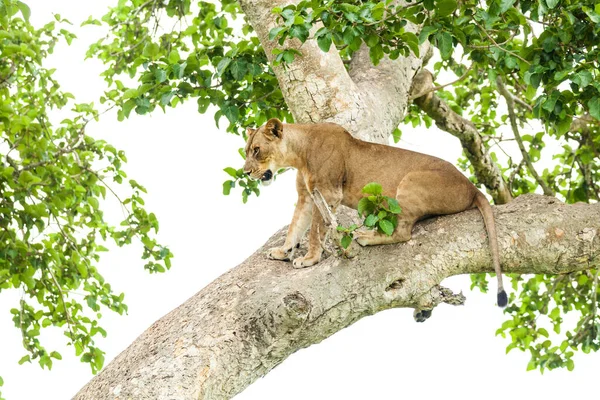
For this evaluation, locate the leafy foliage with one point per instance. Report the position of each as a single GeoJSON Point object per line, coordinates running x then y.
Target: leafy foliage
{"type": "Point", "coordinates": [378, 212]}
{"type": "Point", "coordinates": [53, 181]}
{"type": "Point", "coordinates": [202, 59]}
{"type": "Point", "coordinates": [348, 25]}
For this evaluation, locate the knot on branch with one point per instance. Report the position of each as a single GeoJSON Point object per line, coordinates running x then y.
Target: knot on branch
{"type": "Point", "coordinates": [422, 85]}
{"type": "Point", "coordinates": [297, 306]}
{"type": "Point", "coordinates": [438, 294]}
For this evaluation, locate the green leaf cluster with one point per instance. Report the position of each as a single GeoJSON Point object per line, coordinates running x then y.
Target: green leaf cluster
{"type": "Point", "coordinates": [54, 179]}
{"type": "Point", "coordinates": [377, 211]}
{"type": "Point", "coordinates": [203, 58]}
{"type": "Point", "coordinates": [348, 25]}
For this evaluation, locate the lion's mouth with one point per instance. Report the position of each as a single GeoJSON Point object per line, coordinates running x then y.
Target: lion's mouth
{"type": "Point", "coordinates": [267, 176]}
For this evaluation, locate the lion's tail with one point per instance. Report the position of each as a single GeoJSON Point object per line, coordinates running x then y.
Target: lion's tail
{"type": "Point", "coordinates": [488, 218]}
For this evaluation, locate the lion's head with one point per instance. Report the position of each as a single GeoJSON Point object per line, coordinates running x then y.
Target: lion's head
{"type": "Point", "coordinates": [264, 151]}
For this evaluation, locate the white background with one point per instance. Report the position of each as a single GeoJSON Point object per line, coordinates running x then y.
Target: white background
{"type": "Point", "coordinates": [179, 158]}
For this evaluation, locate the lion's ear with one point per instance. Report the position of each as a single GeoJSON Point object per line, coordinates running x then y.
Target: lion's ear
{"type": "Point", "coordinates": [250, 131]}
{"type": "Point", "coordinates": [274, 128]}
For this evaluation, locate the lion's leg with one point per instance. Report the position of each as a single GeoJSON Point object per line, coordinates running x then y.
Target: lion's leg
{"type": "Point", "coordinates": [402, 233]}
{"type": "Point", "coordinates": [422, 193]}
{"type": "Point", "coordinates": [318, 230]}
{"type": "Point", "coordinates": [300, 222]}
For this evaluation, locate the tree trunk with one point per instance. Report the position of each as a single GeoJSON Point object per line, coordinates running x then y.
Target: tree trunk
{"type": "Point", "coordinates": [250, 319]}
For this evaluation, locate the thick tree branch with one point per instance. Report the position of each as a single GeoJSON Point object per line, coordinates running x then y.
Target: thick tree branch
{"type": "Point", "coordinates": [446, 119]}
{"type": "Point", "coordinates": [385, 87]}
{"type": "Point", "coordinates": [250, 319]}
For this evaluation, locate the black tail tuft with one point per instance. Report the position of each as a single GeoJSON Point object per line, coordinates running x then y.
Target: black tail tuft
{"type": "Point", "coordinates": [502, 298]}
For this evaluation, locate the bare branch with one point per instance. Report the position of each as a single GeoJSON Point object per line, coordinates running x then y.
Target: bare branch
{"type": "Point", "coordinates": [440, 87]}
{"type": "Point", "coordinates": [510, 102]}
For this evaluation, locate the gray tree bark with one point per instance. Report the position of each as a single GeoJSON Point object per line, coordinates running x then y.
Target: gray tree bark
{"type": "Point", "coordinates": [250, 319]}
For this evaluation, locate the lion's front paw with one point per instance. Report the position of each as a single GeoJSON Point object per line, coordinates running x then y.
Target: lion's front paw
{"type": "Point", "coordinates": [306, 261]}
{"type": "Point", "coordinates": [279, 253]}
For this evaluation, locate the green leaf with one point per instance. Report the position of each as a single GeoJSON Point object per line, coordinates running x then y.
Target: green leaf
{"type": "Point", "coordinates": [203, 103]}
{"type": "Point", "coordinates": [151, 50]}
{"type": "Point", "coordinates": [412, 42]}
{"type": "Point", "coordinates": [397, 134]}
{"type": "Point", "coordinates": [373, 188]}
{"type": "Point", "coordinates": [387, 227]}
{"type": "Point", "coordinates": [594, 107]}
{"type": "Point", "coordinates": [394, 206]}
{"type": "Point", "coordinates": [444, 43]}
{"type": "Point", "coordinates": [273, 33]}
{"type": "Point", "coordinates": [24, 359]}
{"type": "Point", "coordinates": [582, 78]}
{"type": "Point", "coordinates": [426, 32]}
{"type": "Point", "coordinates": [179, 70]}
{"type": "Point", "coordinates": [505, 5]}
{"type": "Point", "coordinates": [231, 171]}
{"type": "Point", "coordinates": [570, 365]}
{"type": "Point", "coordinates": [371, 220]}
{"type": "Point", "coordinates": [324, 42]}
{"type": "Point", "coordinates": [174, 57]}
{"type": "Point", "coordinates": [227, 185]}
{"type": "Point", "coordinates": [563, 125]}
{"type": "Point", "coordinates": [288, 56]}
{"type": "Point", "coordinates": [552, 4]}
{"type": "Point", "coordinates": [231, 112]}
{"type": "Point", "coordinates": [223, 64]}
{"type": "Point", "coordinates": [300, 32]}
{"type": "Point", "coordinates": [445, 7]}
{"type": "Point", "coordinates": [25, 10]}
{"type": "Point", "coordinates": [346, 240]}
{"type": "Point", "coordinates": [238, 69]}
{"type": "Point", "coordinates": [160, 75]}
{"type": "Point", "coordinates": [364, 205]}
{"type": "Point", "coordinates": [165, 99]}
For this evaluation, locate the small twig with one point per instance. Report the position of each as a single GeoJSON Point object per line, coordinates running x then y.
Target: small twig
{"type": "Point", "coordinates": [435, 88]}
{"type": "Point", "coordinates": [512, 53]}
{"type": "Point", "coordinates": [474, 46]}
{"type": "Point", "coordinates": [62, 299]}
{"type": "Point", "coordinates": [514, 173]}
{"type": "Point", "coordinates": [515, 128]}
{"type": "Point", "coordinates": [142, 40]}
{"type": "Point", "coordinates": [398, 10]}
{"type": "Point", "coordinates": [595, 293]}
{"type": "Point", "coordinates": [328, 217]}
{"type": "Point", "coordinates": [522, 103]}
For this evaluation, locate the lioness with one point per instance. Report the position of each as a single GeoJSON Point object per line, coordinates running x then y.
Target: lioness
{"type": "Point", "coordinates": [327, 157]}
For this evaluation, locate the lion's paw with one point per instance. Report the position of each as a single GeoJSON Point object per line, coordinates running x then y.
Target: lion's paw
{"type": "Point", "coordinates": [306, 261]}
{"type": "Point", "coordinates": [279, 253]}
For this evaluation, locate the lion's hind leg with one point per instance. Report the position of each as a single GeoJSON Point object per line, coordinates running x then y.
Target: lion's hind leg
{"type": "Point", "coordinates": [422, 193]}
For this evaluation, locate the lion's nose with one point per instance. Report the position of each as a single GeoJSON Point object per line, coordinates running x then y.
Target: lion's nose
{"type": "Point", "coordinates": [247, 172]}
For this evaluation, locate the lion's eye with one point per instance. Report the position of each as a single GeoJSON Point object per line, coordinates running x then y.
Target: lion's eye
{"type": "Point", "coordinates": [256, 151]}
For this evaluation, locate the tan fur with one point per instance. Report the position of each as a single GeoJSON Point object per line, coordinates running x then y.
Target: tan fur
{"type": "Point", "coordinates": [327, 157]}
